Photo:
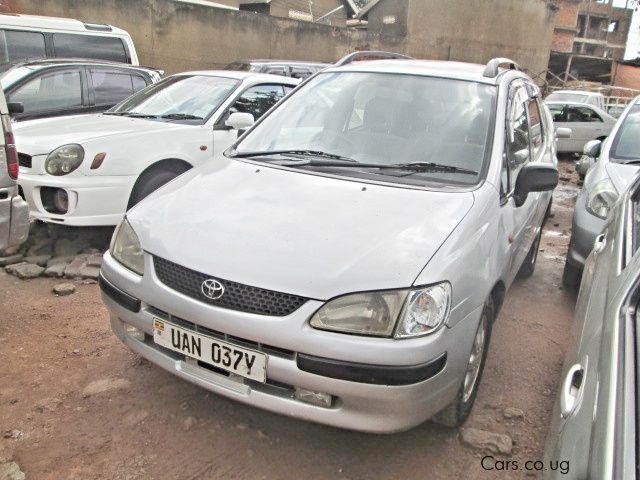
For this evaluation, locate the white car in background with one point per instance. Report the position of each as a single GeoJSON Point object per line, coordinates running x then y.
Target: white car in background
{"type": "Point", "coordinates": [578, 96]}
{"type": "Point", "coordinates": [88, 170]}
{"type": "Point", "coordinates": [586, 122]}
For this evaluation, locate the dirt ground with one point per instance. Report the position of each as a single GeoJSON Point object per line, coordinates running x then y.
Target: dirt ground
{"type": "Point", "coordinates": [77, 404]}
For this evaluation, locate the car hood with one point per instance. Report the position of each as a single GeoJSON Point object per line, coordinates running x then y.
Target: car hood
{"type": "Point", "coordinates": [297, 233]}
{"type": "Point", "coordinates": [621, 175]}
{"type": "Point", "coordinates": [40, 137]}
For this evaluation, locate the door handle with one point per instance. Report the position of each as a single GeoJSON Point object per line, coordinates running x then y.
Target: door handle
{"type": "Point", "coordinates": [4, 194]}
{"type": "Point", "coordinates": [600, 243]}
{"type": "Point", "coordinates": [571, 393]}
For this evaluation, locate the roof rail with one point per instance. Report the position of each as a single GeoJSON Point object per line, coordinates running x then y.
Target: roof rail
{"type": "Point", "coordinates": [493, 66]}
{"type": "Point", "coordinates": [99, 27]}
{"type": "Point", "coordinates": [369, 53]}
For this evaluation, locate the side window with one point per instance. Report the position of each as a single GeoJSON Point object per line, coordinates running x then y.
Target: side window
{"type": "Point", "coordinates": [301, 72]}
{"type": "Point", "coordinates": [518, 153]}
{"type": "Point", "coordinates": [89, 46]}
{"type": "Point", "coordinates": [138, 82]}
{"type": "Point", "coordinates": [55, 91]}
{"type": "Point", "coordinates": [288, 89]}
{"type": "Point", "coordinates": [110, 87]}
{"type": "Point", "coordinates": [277, 70]}
{"type": "Point", "coordinates": [536, 127]}
{"type": "Point", "coordinates": [558, 112]}
{"type": "Point", "coordinates": [582, 114]}
{"type": "Point", "coordinates": [257, 100]}
{"type": "Point", "coordinates": [20, 45]}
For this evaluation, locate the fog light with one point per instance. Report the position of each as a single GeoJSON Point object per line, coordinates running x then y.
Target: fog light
{"type": "Point", "coordinates": [61, 201]}
{"type": "Point", "coordinates": [318, 399]}
{"type": "Point", "coordinates": [134, 332]}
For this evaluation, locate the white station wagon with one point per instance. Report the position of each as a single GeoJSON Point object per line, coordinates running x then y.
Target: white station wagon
{"type": "Point", "coordinates": [88, 170]}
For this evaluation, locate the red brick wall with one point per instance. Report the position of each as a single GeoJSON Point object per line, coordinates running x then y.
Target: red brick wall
{"type": "Point", "coordinates": [625, 76]}
{"type": "Point", "coordinates": [565, 24]}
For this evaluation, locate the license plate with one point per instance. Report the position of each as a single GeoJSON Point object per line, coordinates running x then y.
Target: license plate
{"type": "Point", "coordinates": [231, 358]}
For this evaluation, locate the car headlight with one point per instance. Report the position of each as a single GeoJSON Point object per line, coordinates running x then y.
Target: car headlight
{"type": "Point", "coordinates": [125, 248]}
{"type": "Point", "coordinates": [409, 313]}
{"type": "Point", "coordinates": [64, 160]}
{"type": "Point", "coordinates": [602, 198]}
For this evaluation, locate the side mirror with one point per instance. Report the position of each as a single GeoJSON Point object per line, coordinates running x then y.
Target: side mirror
{"type": "Point", "coordinates": [239, 120]}
{"type": "Point", "coordinates": [15, 107]}
{"type": "Point", "coordinates": [534, 177]}
{"type": "Point", "coordinates": [592, 148]}
{"type": "Point", "coordinates": [563, 132]}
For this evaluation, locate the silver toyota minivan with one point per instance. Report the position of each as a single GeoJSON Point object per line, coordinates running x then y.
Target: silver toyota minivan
{"type": "Point", "coordinates": [344, 260]}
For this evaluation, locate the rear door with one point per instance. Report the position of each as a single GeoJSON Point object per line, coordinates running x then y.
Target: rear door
{"type": "Point", "coordinates": [109, 86]}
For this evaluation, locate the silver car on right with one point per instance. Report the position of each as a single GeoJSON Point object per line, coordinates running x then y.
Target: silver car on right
{"type": "Point", "coordinates": [595, 419]}
{"type": "Point", "coordinates": [616, 162]}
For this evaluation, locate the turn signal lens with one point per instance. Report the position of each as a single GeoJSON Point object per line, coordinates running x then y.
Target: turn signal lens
{"type": "Point", "coordinates": [97, 160]}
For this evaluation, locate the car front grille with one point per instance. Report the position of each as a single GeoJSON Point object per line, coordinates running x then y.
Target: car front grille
{"type": "Point", "coordinates": [24, 160]}
{"type": "Point", "coordinates": [237, 296]}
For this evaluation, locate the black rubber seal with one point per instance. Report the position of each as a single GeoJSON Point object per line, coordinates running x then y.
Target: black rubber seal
{"type": "Point", "coordinates": [372, 374]}
{"type": "Point", "coordinates": [121, 298]}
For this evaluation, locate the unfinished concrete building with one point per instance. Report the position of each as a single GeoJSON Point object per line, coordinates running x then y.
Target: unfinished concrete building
{"type": "Point", "coordinates": [588, 36]}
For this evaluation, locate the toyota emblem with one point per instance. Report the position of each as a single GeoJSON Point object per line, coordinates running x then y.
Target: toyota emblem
{"type": "Point", "coordinates": [212, 289]}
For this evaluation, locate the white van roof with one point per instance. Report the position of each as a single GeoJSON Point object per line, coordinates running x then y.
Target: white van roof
{"type": "Point", "coordinates": [56, 23]}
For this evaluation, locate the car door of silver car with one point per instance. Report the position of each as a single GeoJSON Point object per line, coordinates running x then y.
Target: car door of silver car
{"type": "Point", "coordinates": [591, 417]}
{"type": "Point", "coordinates": [525, 136]}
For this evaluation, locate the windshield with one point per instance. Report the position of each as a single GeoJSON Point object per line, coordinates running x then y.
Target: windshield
{"type": "Point", "coordinates": [14, 75]}
{"type": "Point", "coordinates": [179, 96]}
{"type": "Point", "coordinates": [626, 144]}
{"type": "Point", "coordinates": [384, 119]}
{"type": "Point", "coordinates": [567, 97]}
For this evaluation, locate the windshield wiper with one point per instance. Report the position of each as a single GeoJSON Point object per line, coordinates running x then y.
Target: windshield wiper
{"type": "Point", "coordinates": [132, 114]}
{"type": "Point", "coordinates": [298, 152]}
{"type": "Point", "coordinates": [414, 167]}
{"type": "Point", "coordinates": [181, 116]}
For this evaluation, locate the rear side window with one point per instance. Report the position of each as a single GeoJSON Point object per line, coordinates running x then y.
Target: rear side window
{"type": "Point", "coordinates": [301, 72]}
{"type": "Point", "coordinates": [55, 91]}
{"type": "Point", "coordinates": [111, 87]}
{"type": "Point", "coordinates": [20, 45]}
{"type": "Point", "coordinates": [89, 46]}
{"type": "Point", "coordinates": [277, 70]}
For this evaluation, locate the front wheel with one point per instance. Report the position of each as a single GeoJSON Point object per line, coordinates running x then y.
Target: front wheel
{"type": "Point", "coordinates": [457, 413]}
{"type": "Point", "coordinates": [152, 180]}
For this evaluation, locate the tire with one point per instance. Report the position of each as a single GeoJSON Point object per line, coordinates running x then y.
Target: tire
{"type": "Point", "coordinates": [457, 412]}
{"type": "Point", "coordinates": [529, 264]}
{"type": "Point", "coordinates": [152, 180]}
{"type": "Point", "coordinates": [571, 276]}
{"type": "Point", "coordinates": [547, 213]}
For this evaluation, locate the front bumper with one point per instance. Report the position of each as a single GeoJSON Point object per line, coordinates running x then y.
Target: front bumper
{"type": "Point", "coordinates": [93, 200]}
{"type": "Point", "coordinates": [354, 370]}
{"type": "Point", "coordinates": [584, 230]}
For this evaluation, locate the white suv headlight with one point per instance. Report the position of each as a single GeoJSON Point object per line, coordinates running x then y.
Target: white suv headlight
{"type": "Point", "coordinates": [602, 198]}
{"type": "Point", "coordinates": [410, 313]}
{"type": "Point", "coordinates": [125, 248]}
{"type": "Point", "coordinates": [64, 160]}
